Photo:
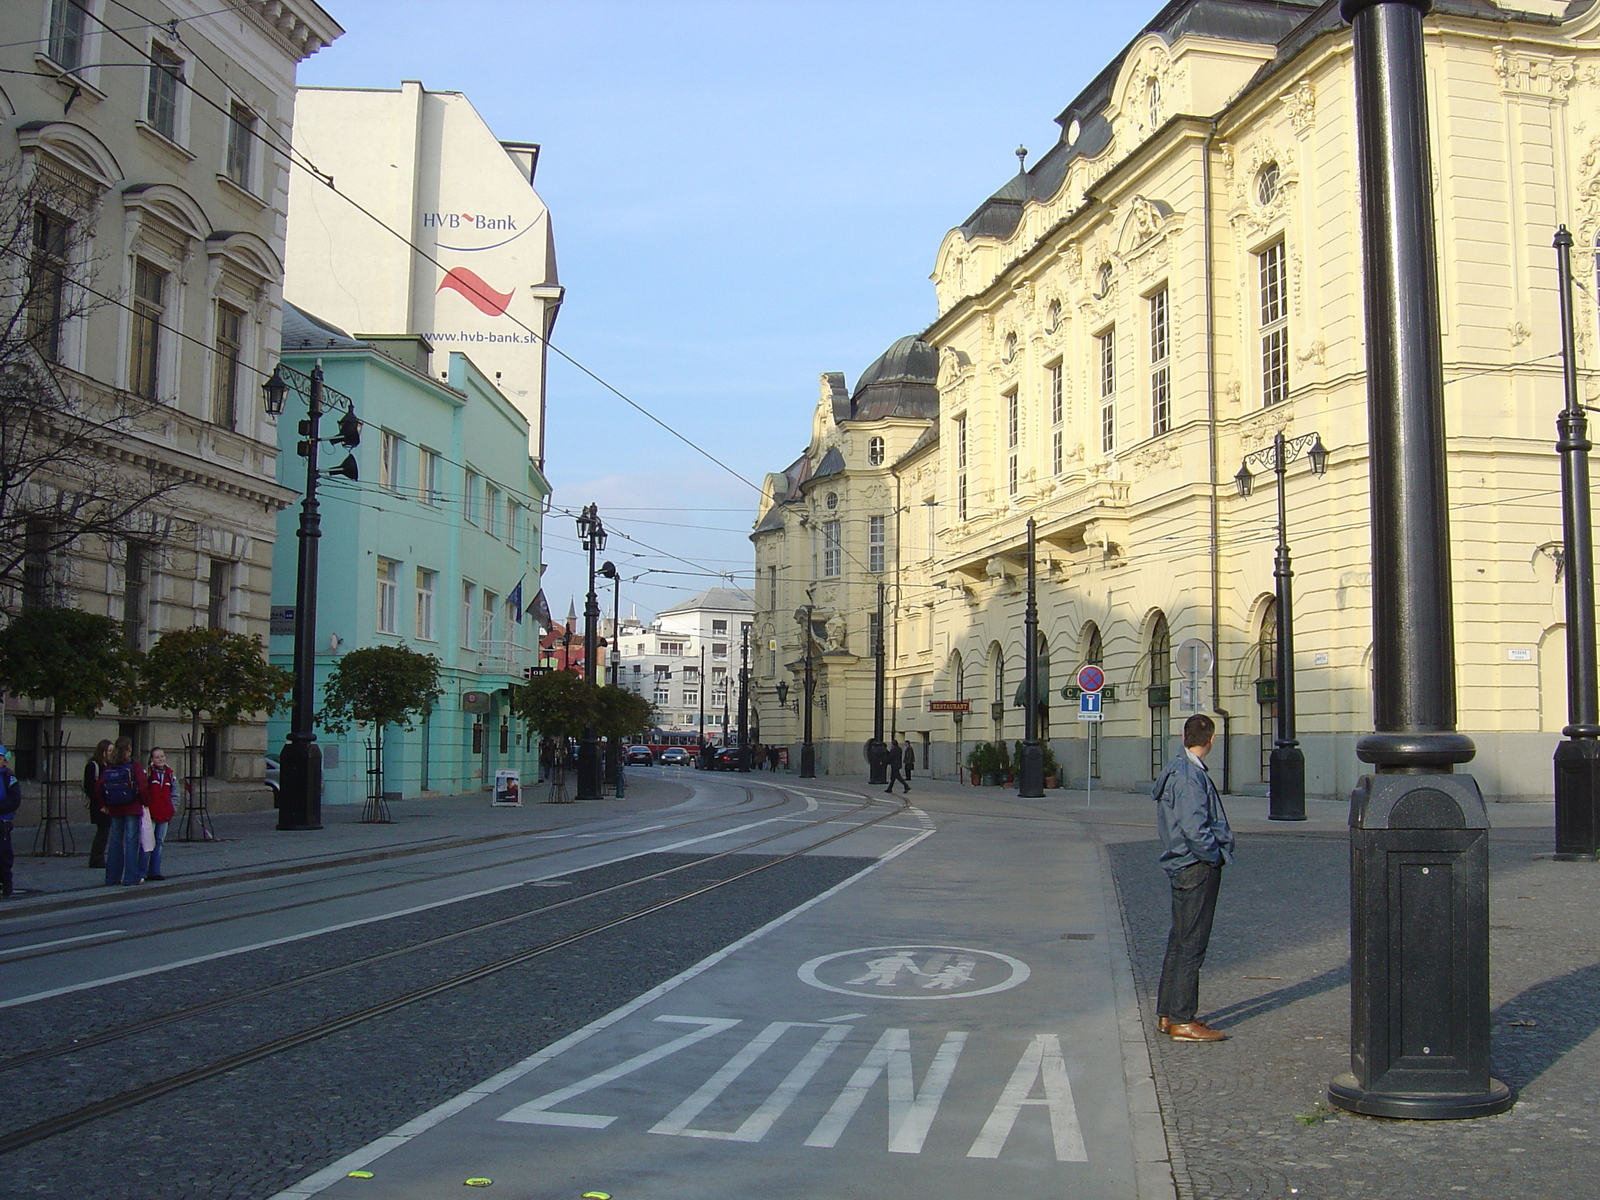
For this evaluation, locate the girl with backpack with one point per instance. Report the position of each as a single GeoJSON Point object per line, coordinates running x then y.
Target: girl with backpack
{"type": "Point", "coordinates": [102, 824]}
{"type": "Point", "coordinates": [119, 790]}
{"type": "Point", "coordinates": [160, 793]}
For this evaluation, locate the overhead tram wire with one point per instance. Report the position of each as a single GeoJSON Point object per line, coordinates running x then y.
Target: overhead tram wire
{"type": "Point", "coordinates": [216, 12]}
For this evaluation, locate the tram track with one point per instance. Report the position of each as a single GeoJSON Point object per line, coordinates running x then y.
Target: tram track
{"type": "Point", "coordinates": [276, 909]}
{"type": "Point", "coordinates": [140, 1094]}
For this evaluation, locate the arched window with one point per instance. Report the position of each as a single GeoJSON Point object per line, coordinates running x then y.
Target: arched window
{"type": "Point", "coordinates": [997, 664]}
{"type": "Point", "coordinates": [1267, 184]}
{"type": "Point", "coordinates": [1044, 688]}
{"type": "Point", "coordinates": [958, 678]}
{"type": "Point", "coordinates": [1160, 692]}
{"type": "Point", "coordinates": [1267, 684]}
{"type": "Point", "coordinates": [875, 452]}
{"type": "Point", "coordinates": [1052, 320]}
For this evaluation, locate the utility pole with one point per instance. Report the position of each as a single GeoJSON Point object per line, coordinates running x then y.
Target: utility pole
{"type": "Point", "coordinates": [1030, 771]}
{"type": "Point", "coordinates": [877, 761]}
{"type": "Point", "coordinates": [592, 533]}
{"type": "Point", "coordinates": [808, 751]}
{"type": "Point", "coordinates": [744, 698]}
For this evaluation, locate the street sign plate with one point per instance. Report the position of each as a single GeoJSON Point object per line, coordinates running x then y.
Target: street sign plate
{"type": "Point", "coordinates": [1089, 707]}
{"type": "Point", "coordinates": [1091, 678]}
{"type": "Point", "coordinates": [1194, 658]}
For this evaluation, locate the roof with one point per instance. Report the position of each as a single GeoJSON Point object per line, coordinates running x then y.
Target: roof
{"type": "Point", "coordinates": [304, 332]}
{"type": "Point", "coordinates": [900, 383]}
{"type": "Point", "coordinates": [716, 599]}
{"type": "Point", "coordinates": [1264, 22]}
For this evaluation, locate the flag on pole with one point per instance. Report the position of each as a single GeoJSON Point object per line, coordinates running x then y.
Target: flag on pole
{"type": "Point", "coordinates": [539, 610]}
{"type": "Point", "coordinates": [515, 600]}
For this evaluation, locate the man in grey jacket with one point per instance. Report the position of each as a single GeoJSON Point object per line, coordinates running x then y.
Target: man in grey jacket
{"type": "Point", "coordinates": [1196, 843]}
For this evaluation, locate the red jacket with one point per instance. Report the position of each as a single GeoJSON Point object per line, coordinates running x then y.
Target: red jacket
{"type": "Point", "coordinates": [121, 810]}
{"type": "Point", "coordinates": [160, 793]}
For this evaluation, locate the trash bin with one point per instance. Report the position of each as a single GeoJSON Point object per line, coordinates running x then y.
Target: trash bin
{"type": "Point", "coordinates": [1419, 951]}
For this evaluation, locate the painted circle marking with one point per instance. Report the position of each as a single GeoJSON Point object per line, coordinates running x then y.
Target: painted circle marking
{"type": "Point", "coordinates": [914, 972]}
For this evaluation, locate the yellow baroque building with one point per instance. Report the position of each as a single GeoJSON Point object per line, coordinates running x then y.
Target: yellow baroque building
{"type": "Point", "coordinates": [1176, 281]}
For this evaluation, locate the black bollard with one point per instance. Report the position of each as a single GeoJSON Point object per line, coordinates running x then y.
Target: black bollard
{"type": "Point", "coordinates": [1419, 868]}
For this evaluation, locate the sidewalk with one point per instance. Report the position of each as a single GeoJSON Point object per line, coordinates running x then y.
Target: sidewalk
{"type": "Point", "coordinates": [251, 847]}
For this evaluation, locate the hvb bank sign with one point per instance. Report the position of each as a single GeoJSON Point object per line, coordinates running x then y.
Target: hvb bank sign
{"type": "Point", "coordinates": [435, 220]}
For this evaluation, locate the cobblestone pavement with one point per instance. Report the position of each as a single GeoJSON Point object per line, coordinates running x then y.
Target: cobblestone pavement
{"type": "Point", "coordinates": [259, 1128]}
{"type": "Point", "coordinates": [1247, 1118]}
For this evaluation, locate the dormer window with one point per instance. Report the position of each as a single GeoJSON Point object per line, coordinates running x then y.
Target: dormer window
{"type": "Point", "coordinates": [875, 452]}
{"type": "Point", "coordinates": [833, 500]}
{"type": "Point", "coordinates": [1267, 184]}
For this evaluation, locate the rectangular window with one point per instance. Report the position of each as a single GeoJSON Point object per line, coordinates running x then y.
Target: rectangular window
{"type": "Point", "coordinates": [1053, 378]}
{"type": "Point", "coordinates": [874, 632]}
{"type": "Point", "coordinates": [772, 588]}
{"type": "Point", "coordinates": [486, 616]}
{"type": "Point", "coordinates": [388, 460]}
{"type": "Point", "coordinates": [47, 285]}
{"type": "Point", "coordinates": [719, 627]}
{"type": "Point", "coordinates": [1160, 364]}
{"type": "Point", "coordinates": [661, 696]}
{"type": "Point", "coordinates": [513, 521]}
{"type": "Point", "coordinates": [427, 586]}
{"type": "Point", "coordinates": [671, 650]}
{"type": "Point", "coordinates": [225, 367]}
{"type": "Point", "coordinates": [161, 103]}
{"type": "Point", "coordinates": [1274, 327]}
{"type": "Point", "coordinates": [220, 594]}
{"type": "Point", "coordinates": [388, 594]}
{"type": "Point", "coordinates": [932, 509]}
{"type": "Point", "coordinates": [831, 555]}
{"type": "Point", "coordinates": [470, 508]}
{"type": "Point", "coordinates": [1057, 460]}
{"type": "Point", "coordinates": [469, 596]}
{"type": "Point", "coordinates": [241, 143]}
{"type": "Point", "coordinates": [428, 477]}
{"type": "Point", "coordinates": [961, 468]}
{"type": "Point", "coordinates": [491, 510]}
{"type": "Point", "coordinates": [1108, 390]}
{"type": "Point", "coordinates": [690, 674]}
{"type": "Point", "coordinates": [1013, 439]}
{"type": "Point", "coordinates": [135, 587]}
{"type": "Point", "coordinates": [877, 532]}
{"type": "Point", "coordinates": [39, 540]}
{"type": "Point", "coordinates": [144, 347]}
{"type": "Point", "coordinates": [691, 698]}
{"type": "Point", "coordinates": [719, 651]}
{"type": "Point", "coordinates": [67, 26]}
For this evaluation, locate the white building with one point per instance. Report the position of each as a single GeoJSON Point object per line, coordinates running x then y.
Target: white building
{"type": "Point", "coordinates": [482, 279]}
{"type": "Point", "coordinates": [687, 660]}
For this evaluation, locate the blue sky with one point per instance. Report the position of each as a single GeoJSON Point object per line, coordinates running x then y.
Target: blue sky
{"type": "Point", "coordinates": [744, 194]}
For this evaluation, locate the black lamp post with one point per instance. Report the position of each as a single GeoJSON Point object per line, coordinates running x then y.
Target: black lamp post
{"type": "Point", "coordinates": [1287, 768]}
{"type": "Point", "coordinates": [608, 570]}
{"type": "Point", "coordinates": [1578, 754]}
{"type": "Point", "coordinates": [300, 767]}
{"type": "Point", "coordinates": [744, 699]}
{"type": "Point", "coordinates": [1030, 768]}
{"type": "Point", "coordinates": [1419, 837]}
{"type": "Point", "coordinates": [877, 758]}
{"type": "Point", "coordinates": [592, 534]}
{"type": "Point", "coordinates": [808, 751]}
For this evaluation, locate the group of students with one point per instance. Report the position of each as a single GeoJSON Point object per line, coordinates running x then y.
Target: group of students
{"type": "Point", "coordinates": [130, 806]}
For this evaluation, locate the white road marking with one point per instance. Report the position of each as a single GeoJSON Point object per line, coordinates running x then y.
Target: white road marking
{"type": "Point", "coordinates": [87, 937]}
{"type": "Point", "coordinates": [402, 912]}
{"type": "Point", "coordinates": [911, 1111]}
{"type": "Point", "coordinates": [321, 1180]}
{"type": "Point", "coordinates": [1042, 1059]}
{"type": "Point", "coordinates": [538, 1112]}
{"type": "Point", "coordinates": [846, 1017]}
{"type": "Point", "coordinates": [759, 1123]}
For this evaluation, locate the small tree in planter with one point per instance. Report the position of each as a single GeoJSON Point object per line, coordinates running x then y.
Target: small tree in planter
{"type": "Point", "coordinates": [211, 671]}
{"type": "Point", "coordinates": [380, 686]}
{"type": "Point", "coordinates": [78, 662]}
{"type": "Point", "coordinates": [618, 714]}
{"type": "Point", "coordinates": [559, 704]}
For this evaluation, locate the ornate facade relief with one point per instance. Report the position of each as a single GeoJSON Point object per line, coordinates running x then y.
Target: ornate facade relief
{"type": "Point", "coordinates": [1300, 102]}
{"type": "Point", "coordinates": [1525, 74]}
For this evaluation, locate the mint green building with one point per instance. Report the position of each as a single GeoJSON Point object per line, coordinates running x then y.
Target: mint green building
{"type": "Point", "coordinates": [437, 547]}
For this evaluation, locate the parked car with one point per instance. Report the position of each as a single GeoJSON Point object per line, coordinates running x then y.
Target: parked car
{"type": "Point", "coordinates": [726, 758]}
{"type": "Point", "coordinates": [674, 756]}
{"type": "Point", "coordinates": [641, 754]}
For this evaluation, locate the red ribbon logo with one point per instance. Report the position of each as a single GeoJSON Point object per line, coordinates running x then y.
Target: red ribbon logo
{"type": "Point", "coordinates": [476, 292]}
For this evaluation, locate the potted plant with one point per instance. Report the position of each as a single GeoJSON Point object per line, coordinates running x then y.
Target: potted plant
{"type": "Point", "coordinates": [1052, 768]}
{"type": "Point", "coordinates": [976, 758]}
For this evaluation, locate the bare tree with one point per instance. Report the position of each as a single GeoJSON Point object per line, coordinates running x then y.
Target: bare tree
{"type": "Point", "coordinates": [71, 467]}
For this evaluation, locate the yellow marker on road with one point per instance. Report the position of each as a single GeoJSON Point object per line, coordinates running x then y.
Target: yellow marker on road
{"type": "Point", "coordinates": [359, 1175]}
{"type": "Point", "coordinates": [478, 1182]}
{"type": "Point", "coordinates": [597, 1196]}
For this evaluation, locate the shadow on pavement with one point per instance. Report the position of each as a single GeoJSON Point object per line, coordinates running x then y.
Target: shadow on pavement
{"type": "Point", "coordinates": [1564, 1016]}
{"type": "Point", "coordinates": [1257, 1006]}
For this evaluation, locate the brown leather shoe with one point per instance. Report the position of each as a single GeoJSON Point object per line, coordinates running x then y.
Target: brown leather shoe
{"type": "Point", "coordinates": [1194, 1031]}
{"type": "Point", "coordinates": [1163, 1023]}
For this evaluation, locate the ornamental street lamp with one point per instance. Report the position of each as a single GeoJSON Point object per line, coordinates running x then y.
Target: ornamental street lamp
{"type": "Point", "coordinates": [877, 756]}
{"type": "Point", "coordinates": [1419, 832]}
{"type": "Point", "coordinates": [1287, 769]}
{"type": "Point", "coordinates": [744, 699]}
{"type": "Point", "coordinates": [608, 570]}
{"type": "Point", "coordinates": [300, 766]}
{"type": "Point", "coordinates": [1030, 769]}
{"type": "Point", "coordinates": [1578, 754]}
{"type": "Point", "coordinates": [592, 534]}
{"type": "Point", "coordinates": [808, 751]}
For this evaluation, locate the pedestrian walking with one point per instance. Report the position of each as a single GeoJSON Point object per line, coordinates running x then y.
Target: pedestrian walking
{"type": "Point", "coordinates": [10, 801]}
{"type": "Point", "coordinates": [774, 758]}
{"type": "Point", "coordinates": [1196, 843]}
{"type": "Point", "coordinates": [102, 823]}
{"type": "Point", "coordinates": [160, 801]}
{"type": "Point", "coordinates": [895, 761]}
{"type": "Point", "coordinates": [119, 790]}
{"type": "Point", "coordinates": [911, 757]}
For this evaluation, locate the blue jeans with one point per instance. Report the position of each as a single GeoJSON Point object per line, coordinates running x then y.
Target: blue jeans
{"type": "Point", "coordinates": [122, 851]}
{"type": "Point", "coordinates": [150, 862]}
